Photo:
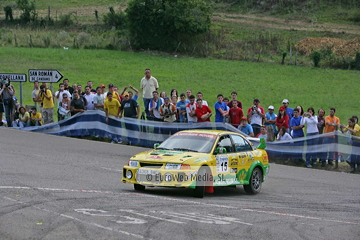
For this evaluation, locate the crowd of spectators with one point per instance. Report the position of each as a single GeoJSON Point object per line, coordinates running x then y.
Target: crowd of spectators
{"type": "Point", "coordinates": [286, 125]}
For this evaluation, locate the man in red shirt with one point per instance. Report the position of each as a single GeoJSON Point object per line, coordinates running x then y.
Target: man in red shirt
{"type": "Point", "coordinates": [203, 112]}
{"type": "Point", "coordinates": [235, 114]}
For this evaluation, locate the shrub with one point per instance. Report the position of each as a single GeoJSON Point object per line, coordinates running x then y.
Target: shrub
{"type": "Point", "coordinates": [316, 57]}
{"type": "Point", "coordinates": [28, 11]}
{"type": "Point", "coordinates": [66, 20]}
{"type": "Point", "coordinates": [113, 19]}
{"type": "Point", "coordinates": [83, 38]}
{"type": "Point", "coordinates": [159, 25]}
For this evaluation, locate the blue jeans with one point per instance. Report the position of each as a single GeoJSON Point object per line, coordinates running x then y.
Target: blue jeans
{"type": "Point", "coordinates": [311, 145]}
{"type": "Point", "coordinates": [146, 105]}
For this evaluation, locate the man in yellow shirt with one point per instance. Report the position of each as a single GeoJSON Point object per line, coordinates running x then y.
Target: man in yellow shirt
{"type": "Point", "coordinates": [112, 107]}
{"type": "Point", "coordinates": [47, 104]}
{"type": "Point", "coordinates": [35, 117]}
{"type": "Point", "coordinates": [354, 130]}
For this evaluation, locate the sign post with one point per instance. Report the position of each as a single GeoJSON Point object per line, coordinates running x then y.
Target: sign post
{"type": "Point", "coordinates": [15, 77]}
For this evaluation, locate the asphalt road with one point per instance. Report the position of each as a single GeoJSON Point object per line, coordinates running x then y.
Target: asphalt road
{"type": "Point", "coordinates": [61, 188]}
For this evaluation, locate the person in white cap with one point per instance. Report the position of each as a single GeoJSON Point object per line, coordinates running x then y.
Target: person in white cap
{"type": "Point", "coordinates": [289, 111]}
{"type": "Point", "coordinates": [270, 118]}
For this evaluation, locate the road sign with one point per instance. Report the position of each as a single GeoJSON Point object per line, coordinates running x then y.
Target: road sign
{"type": "Point", "coordinates": [48, 76]}
{"type": "Point", "coordinates": [14, 77]}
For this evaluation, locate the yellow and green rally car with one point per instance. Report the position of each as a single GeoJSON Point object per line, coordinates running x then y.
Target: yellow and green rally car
{"type": "Point", "coordinates": [202, 160]}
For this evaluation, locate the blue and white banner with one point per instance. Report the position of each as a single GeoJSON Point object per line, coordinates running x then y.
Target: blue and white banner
{"type": "Point", "coordinates": [145, 133]}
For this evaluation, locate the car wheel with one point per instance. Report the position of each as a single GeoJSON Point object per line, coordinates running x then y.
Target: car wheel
{"type": "Point", "coordinates": [199, 190]}
{"type": "Point", "coordinates": [139, 187]}
{"type": "Point", "coordinates": [255, 182]}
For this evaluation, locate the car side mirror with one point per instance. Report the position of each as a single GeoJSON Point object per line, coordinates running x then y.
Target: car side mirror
{"type": "Point", "coordinates": [262, 144]}
{"type": "Point", "coordinates": [221, 150]}
{"type": "Point", "coordinates": [156, 145]}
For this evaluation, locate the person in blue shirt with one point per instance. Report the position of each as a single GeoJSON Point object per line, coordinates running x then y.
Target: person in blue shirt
{"type": "Point", "coordinates": [245, 127]}
{"type": "Point", "coordinates": [270, 119]}
{"type": "Point", "coordinates": [289, 111]}
{"type": "Point", "coordinates": [181, 107]}
{"type": "Point", "coordinates": [220, 109]}
{"type": "Point", "coordinates": [297, 132]}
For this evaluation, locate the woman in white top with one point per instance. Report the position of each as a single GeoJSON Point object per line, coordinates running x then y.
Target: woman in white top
{"type": "Point", "coordinates": [310, 120]}
{"type": "Point", "coordinates": [283, 135]}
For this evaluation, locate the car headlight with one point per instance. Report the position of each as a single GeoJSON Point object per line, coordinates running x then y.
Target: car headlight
{"type": "Point", "coordinates": [168, 177]}
{"type": "Point", "coordinates": [133, 163]}
{"type": "Point", "coordinates": [175, 166]}
{"type": "Point", "coordinates": [129, 174]}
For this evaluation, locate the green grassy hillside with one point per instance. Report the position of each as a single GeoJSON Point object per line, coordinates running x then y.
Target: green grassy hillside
{"type": "Point", "coordinates": [271, 83]}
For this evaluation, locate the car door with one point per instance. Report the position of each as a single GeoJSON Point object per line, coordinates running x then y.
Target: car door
{"type": "Point", "coordinates": [223, 175]}
{"type": "Point", "coordinates": [244, 152]}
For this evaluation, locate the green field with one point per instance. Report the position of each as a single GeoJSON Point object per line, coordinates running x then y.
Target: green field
{"type": "Point", "coordinates": [271, 83]}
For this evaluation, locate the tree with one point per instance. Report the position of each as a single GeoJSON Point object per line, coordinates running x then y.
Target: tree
{"type": "Point", "coordinates": [29, 12]}
{"type": "Point", "coordinates": [160, 24]}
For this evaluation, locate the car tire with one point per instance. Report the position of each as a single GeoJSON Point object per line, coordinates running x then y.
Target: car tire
{"type": "Point", "coordinates": [255, 182]}
{"type": "Point", "coordinates": [199, 190]}
{"type": "Point", "coordinates": [139, 187]}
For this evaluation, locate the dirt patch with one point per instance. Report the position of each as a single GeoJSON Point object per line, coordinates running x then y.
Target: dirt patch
{"type": "Point", "coordinates": [276, 23]}
{"type": "Point", "coordinates": [339, 47]}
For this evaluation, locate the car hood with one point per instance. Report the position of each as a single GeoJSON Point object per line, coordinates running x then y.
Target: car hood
{"type": "Point", "coordinates": [168, 156]}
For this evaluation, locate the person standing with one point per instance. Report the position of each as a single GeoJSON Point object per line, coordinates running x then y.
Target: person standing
{"type": "Point", "coordinates": [321, 120]}
{"type": "Point", "coordinates": [131, 109]}
{"type": "Point", "coordinates": [220, 109]}
{"type": "Point", "coordinates": [354, 130]}
{"type": "Point", "coordinates": [89, 96]}
{"type": "Point", "coordinates": [77, 104]}
{"type": "Point", "coordinates": [35, 94]}
{"type": "Point", "coordinates": [191, 110]}
{"type": "Point", "coordinates": [256, 115]}
{"type": "Point", "coordinates": [297, 132]}
{"type": "Point", "coordinates": [332, 124]}
{"type": "Point", "coordinates": [148, 84]}
{"type": "Point", "coordinates": [154, 107]}
{"type": "Point", "coordinates": [203, 112]}
{"type": "Point", "coordinates": [112, 107]}
{"type": "Point", "coordinates": [270, 120]}
{"type": "Point", "coordinates": [59, 95]}
{"type": "Point", "coordinates": [90, 84]}
{"type": "Point", "coordinates": [47, 104]}
{"type": "Point", "coordinates": [282, 120]}
{"type": "Point", "coordinates": [289, 111]}
{"type": "Point", "coordinates": [235, 113]}
{"type": "Point", "coordinates": [181, 107]}
{"type": "Point", "coordinates": [67, 87]}
{"type": "Point", "coordinates": [99, 99]}
{"type": "Point", "coordinates": [233, 98]}
{"type": "Point", "coordinates": [7, 96]}
{"type": "Point", "coordinates": [199, 95]}
{"type": "Point", "coordinates": [310, 120]}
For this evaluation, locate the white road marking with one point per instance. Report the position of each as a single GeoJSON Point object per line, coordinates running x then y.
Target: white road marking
{"type": "Point", "coordinates": [150, 216]}
{"type": "Point", "coordinates": [190, 202]}
{"type": "Point", "coordinates": [79, 220]}
{"type": "Point", "coordinates": [112, 169]}
{"type": "Point", "coordinates": [203, 218]}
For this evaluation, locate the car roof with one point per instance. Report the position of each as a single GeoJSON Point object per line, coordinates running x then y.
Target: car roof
{"type": "Point", "coordinates": [213, 132]}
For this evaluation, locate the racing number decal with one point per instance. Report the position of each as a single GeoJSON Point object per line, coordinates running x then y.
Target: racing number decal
{"type": "Point", "coordinates": [222, 163]}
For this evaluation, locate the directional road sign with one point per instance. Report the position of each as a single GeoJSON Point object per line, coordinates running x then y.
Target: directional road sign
{"type": "Point", "coordinates": [48, 76]}
{"type": "Point", "coordinates": [14, 77]}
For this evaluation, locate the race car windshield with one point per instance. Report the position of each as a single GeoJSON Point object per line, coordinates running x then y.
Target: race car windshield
{"type": "Point", "coordinates": [188, 143]}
